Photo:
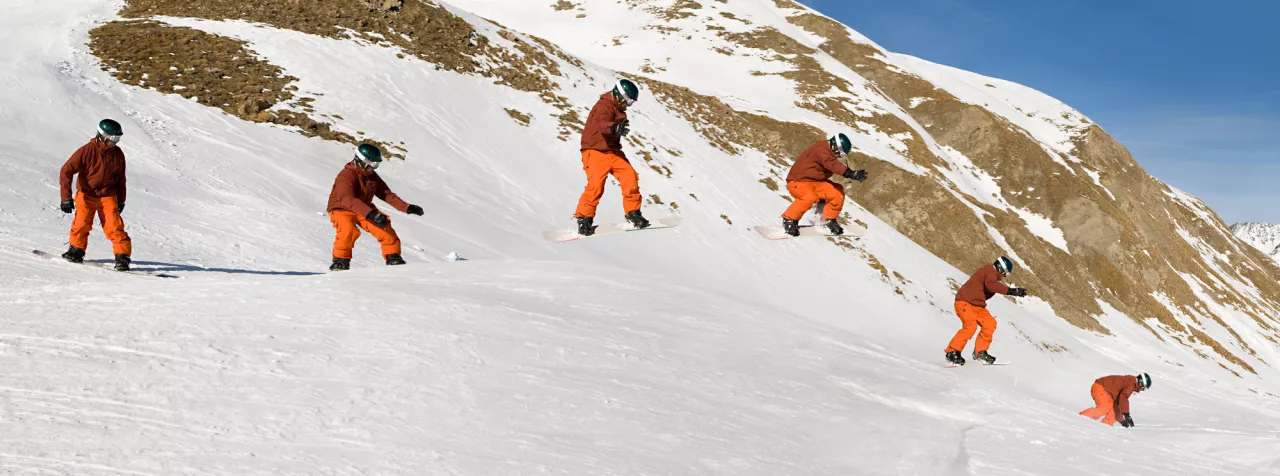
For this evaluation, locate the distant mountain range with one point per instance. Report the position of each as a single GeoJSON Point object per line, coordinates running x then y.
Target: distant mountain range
{"type": "Point", "coordinates": [1263, 236]}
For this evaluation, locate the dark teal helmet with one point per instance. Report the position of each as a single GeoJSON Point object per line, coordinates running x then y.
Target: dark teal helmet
{"type": "Point", "coordinates": [1144, 381]}
{"type": "Point", "coordinates": [1004, 265]}
{"type": "Point", "coordinates": [368, 156]}
{"type": "Point", "coordinates": [110, 130]}
{"type": "Point", "coordinates": [840, 145]}
{"type": "Point", "coordinates": [626, 91]}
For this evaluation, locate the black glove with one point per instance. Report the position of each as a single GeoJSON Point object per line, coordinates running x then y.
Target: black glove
{"type": "Point", "coordinates": [623, 128]}
{"type": "Point", "coordinates": [859, 175]}
{"type": "Point", "coordinates": [414, 210]}
{"type": "Point", "coordinates": [120, 207]}
{"type": "Point", "coordinates": [1017, 292]}
{"type": "Point", "coordinates": [377, 218]}
{"type": "Point", "coordinates": [67, 206]}
{"type": "Point", "coordinates": [1127, 422]}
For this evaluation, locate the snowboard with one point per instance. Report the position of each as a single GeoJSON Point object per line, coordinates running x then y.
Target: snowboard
{"type": "Point", "coordinates": [561, 236]}
{"type": "Point", "coordinates": [104, 266]}
{"type": "Point", "coordinates": [777, 233]}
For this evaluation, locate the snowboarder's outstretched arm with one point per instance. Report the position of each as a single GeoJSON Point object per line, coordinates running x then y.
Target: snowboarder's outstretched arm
{"type": "Point", "coordinates": [832, 165]}
{"type": "Point", "coordinates": [1122, 400]}
{"type": "Point", "coordinates": [384, 193]}
{"type": "Point", "coordinates": [993, 285]}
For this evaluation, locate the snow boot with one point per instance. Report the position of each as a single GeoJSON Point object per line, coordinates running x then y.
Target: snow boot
{"type": "Point", "coordinates": [74, 255]}
{"type": "Point", "coordinates": [122, 262]}
{"type": "Point", "coordinates": [340, 264]}
{"type": "Point", "coordinates": [394, 260]}
{"type": "Point", "coordinates": [833, 226]}
{"type": "Point", "coordinates": [955, 358]}
{"type": "Point", "coordinates": [637, 220]}
{"type": "Point", "coordinates": [585, 227]}
{"type": "Point", "coordinates": [791, 227]}
{"type": "Point", "coordinates": [984, 357]}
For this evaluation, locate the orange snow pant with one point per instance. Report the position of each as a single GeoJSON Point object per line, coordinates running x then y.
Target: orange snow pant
{"type": "Point", "coordinates": [1104, 406]}
{"type": "Point", "coordinates": [598, 165]}
{"type": "Point", "coordinates": [348, 225]}
{"type": "Point", "coordinates": [808, 193]}
{"type": "Point", "coordinates": [971, 317]}
{"type": "Point", "coordinates": [107, 209]}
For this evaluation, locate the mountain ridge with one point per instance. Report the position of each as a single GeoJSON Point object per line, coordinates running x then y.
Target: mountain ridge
{"type": "Point", "coordinates": [667, 352]}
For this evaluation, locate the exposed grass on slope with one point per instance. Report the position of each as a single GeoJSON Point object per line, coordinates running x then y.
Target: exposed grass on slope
{"type": "Point", "coordinates": [419, 28]}
{"type": "Point", "coordinates": [677, 11]}
{"type": "Point", "coordinates": [520, 117]}
{"type": "Point", "coordinates": [215, 71]}
{"type": "Point", "coordinates": [727, 128]}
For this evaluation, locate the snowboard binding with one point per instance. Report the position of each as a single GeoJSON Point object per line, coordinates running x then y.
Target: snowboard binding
{"type": "Point", "coordinates": [586, 226]}
{"type": "Point", "coordinates": [637, 220]}
{"type": "Point", "coordinates": [74, 255]}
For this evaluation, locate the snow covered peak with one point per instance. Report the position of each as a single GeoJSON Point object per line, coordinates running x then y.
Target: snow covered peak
{"type": "Point", "coordinates": [1263, 236]}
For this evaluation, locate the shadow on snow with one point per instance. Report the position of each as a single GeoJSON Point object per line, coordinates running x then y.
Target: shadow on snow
{"type": "Point", "coordinates": [159, 267]}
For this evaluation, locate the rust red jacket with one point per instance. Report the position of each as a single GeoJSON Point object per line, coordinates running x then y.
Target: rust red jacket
{"type": "Point", "coordinates": [597, 134]}
{"type": "Point", "coordinates": [354, 191]}
{"type": "Point", "coordinates": [100, 169]}
{"type": "Point", "coordinates": [1120, 387]}
{"type": "Point", "coordinates": [984, 284]}
{"type": "Point", "coordinates": [816, 164]}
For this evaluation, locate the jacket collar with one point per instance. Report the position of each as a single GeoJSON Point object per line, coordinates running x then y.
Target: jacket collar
{"type": "Point", "coordinates": [361, 173]}
{"type": "Point", "coordinates": [609, 97]}
{"type": "Point", "coordinates": [100, 144]}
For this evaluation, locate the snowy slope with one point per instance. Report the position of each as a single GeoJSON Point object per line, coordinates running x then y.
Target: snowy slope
{"type": "Point", "coordinates": [700, 350]}
{"type": "Point", "coordinates": [1263, 236]}
{"type": "Point", "coordinates": [505, 367]}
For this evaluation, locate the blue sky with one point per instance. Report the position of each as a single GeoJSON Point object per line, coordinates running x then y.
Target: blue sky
{"type": "Point", "coordinates": [1192, 88]}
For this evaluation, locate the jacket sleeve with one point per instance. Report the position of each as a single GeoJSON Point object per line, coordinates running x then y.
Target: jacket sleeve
{"type": "Point", "coordinates": [124, 182]}
{"type": "Point", "coordinates": [1122, 400]}
{"type": "Point", "coordinates": [346, 193]}
{"type": "Point", "coordinates": [69, 170]}
{"type": "Point", "coordinates": [385, 193]}
{"type": "Point", "coordinates": [993, 285]}
{"type": "Point", "coordinates": [832, 165]}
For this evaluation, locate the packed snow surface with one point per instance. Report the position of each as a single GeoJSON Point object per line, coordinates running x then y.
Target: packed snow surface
{"type": "Point", "coordinates": [698, 350]}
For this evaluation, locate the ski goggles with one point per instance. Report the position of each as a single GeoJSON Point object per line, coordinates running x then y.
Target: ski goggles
{"type": "Point", "coordinates": [112, 139]}
{"type": "Point", "coordinates": [367, 165]}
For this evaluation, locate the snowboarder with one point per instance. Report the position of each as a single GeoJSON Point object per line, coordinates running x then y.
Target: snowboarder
{"type": "Point", "coordinates": [351, 208]}
{"type": "Point", "coordinates": [602, 155]}
{"type": "Point", "coordinates": [100, 192]}
{"type": "Point", "coordinates": [809, 182]}
{"type": "Point", "coordinates": [1111, 397]}
{"type": "Point", "coordinates": [971, 307]}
